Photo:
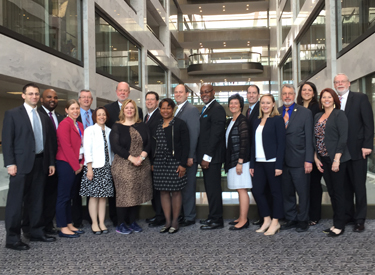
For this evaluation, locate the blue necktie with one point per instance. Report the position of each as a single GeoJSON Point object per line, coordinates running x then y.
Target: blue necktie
{"type": "Point", "coordinates": [38, 135]}
{"type": "Point", "coordinates": [204, 108]}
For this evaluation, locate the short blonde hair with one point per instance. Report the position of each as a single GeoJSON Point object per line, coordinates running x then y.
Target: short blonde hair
{"type": "Point", "coordinates": [121, 116]}
{"type": "Point", "coordinates": [274, 111]}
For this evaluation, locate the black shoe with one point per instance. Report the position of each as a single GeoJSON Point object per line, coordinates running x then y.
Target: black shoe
{"type": "Point", "coordinates": [45, 238]}
{"type": "Point", "coordinates": [185, 223]}
{"type": "Point", "coordinates": [181, 219]}
{"type": "Point", "coordinates": [156, 223]}
{"type": "Point", "coordinates": [213, 225]}
{"type": "Point", "coordinates": [359, 227]}
{"type": "Point", "coordinates": [258, 222]}
{"type": "Point", "coordinates": [302, 227]}
{"type": "Point", "coordinates": [232, 223]}
{"type": "Point", "coordinates": [173, 230]}
{"type": "Point", "coordinates": [289, 225]}
{"type": "Point", "coordinates": [151, 220]}
{"type": "Point", "coordinates": [326, 231]}
{"type": "Point", "coordinates": [164, 229]}
{"type": "Point", "coordinates": [18, 246]}
{"type": "Point", "coordinates": [63, 235]}
{"type": "Point", "coordinates": [246, 225]}
{"type": "Point", "coordinates": [96, 232]}
{"type": "Point", "coordinates": [333, 234]}
{"type": "Point", "coordinates": [350, 222]}
{"type": "Point", "coordinates": [26, 235]}
{"type": "Point", "coordinates": [206, 221]}
{"type": "Point", "coordinates": [52, 231]}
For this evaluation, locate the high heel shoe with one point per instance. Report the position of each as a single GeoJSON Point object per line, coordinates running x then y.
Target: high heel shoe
{"type": "Point", "coordinates": [246, 225]}
{"type": "Point", "coordinates": [165, 229]}
{"type": "Point", "coordinates": [96, 232]}
{"type": "Point", "coordinates": [269, 233]}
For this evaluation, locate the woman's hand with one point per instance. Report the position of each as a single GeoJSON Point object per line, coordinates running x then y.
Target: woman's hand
{"type": "Point", "coordinates": [278, 172]}
{"type": "Point", "coordinates": [239, 169]}
{"type": "Point", "coordinates": [335, 166]}
{"type": "Point", "coordinates": [181, 171]}
{"type": "Point", "coordinates": [90, 173]}
{"type": "Point", "coordinates": [79, 170]}
{"type": "Point", "coordinates": [152, 168]}
{"type": "Point", "coordinates": [136, 161]}
{"type": "Point", "coordinates": [252, 172]}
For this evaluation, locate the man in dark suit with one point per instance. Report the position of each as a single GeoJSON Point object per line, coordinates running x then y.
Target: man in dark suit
{"type": "Point", "coordinates": [49, 102]}
{"type": "Point", "coordinates": [211, 154]}
{"type": "Point", "coordinates": [360, 143]}
{"type": "Point", "coordinates": [152, 120]}
{"type": "Point", "coordinates": [190, 114]}
{"type": "Point", "coordinates": [122, 92]}
{"type": "Point", "coordinates": [28, 156]}
{"type": "Point", "coordinates": [299, 155]}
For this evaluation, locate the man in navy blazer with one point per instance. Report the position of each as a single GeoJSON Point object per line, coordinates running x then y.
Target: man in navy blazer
{"type": "Point", "coordinates": [211, 154]}
{"type": "Point", "coordinates": [360, 144]}
{"type": "Point", "coordinates": [29, 158]}
{"type": "Point", "coordinates": [299, 155]}
{"type": "Point", "coordinates": [190, 114]}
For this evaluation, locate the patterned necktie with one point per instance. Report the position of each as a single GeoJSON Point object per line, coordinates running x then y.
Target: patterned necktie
{"type": "Point", "coordinates": [286, 117]}
{"type": "Point", "coordinates": [38, 135]}
{"type": "Point", "coordinates": [147, 118]}
{"type": "Point", "coordinates": [340, 97]}
{"type": "Point", "coordinates": [248, 113]}
{"type": "Point", "coordinates": [87, 124]}
{"type": "Point", "coordinates": [53, 121]}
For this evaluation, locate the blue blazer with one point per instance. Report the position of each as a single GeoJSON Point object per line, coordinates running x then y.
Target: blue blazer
{"type": "Point", "coordinates": [273, 140]}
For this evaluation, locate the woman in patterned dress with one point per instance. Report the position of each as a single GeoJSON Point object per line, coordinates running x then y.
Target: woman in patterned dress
{"type": "Point", "coordinates": [171, 145]}
{"type": "Point", "coordinates": [131, 169]}
{"type": "Point", "coordinates": [332, 154]}
{"type": "Point", "coordinates": [97, 180]}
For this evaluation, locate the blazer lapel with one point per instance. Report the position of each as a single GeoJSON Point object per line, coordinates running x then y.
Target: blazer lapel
{"type": "Point", "coordinates": [349, 103]}
{"type": "Point", "coordinates": [293, 115]}
{"type": "Point", "coordinates": [26, 118]}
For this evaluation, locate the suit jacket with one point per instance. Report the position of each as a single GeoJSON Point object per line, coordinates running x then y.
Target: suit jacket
{"type": "Point", "coordinates": [52, 136]}
{"type": "Point", "coordinates": [273, 140]}
{"type": "Point", "coordinates": [211, 139]}
{"type": "Point", "coordinates": [299, 137]}
{"type": "Point", "coordinates": [114, 111]}
{"type": "Point", "coordinates": [69, 143]}
{"type": "Point", "coordinates": [190, 114]}
{"type": "Point", "coordinates": [18, 141]}
{"type": "Point", "coordinates": [253, 116]}
{"type": "Point", "coordinates": [336, 134]}
{"type": "Point", "coordinates": [361, 124]}
{"type": "Point", "coordinates": [154, 121]}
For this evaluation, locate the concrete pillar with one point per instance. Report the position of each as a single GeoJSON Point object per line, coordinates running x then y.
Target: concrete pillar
{"type": "Point", "coordinates": [331, 37]}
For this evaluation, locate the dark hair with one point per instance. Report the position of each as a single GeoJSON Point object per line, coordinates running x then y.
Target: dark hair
{"type": "Point", "coordinates": [169, 101]}
{"type": "Point", "coordinates": [336, 99]}
{"type": "Point", "coordinates": [70, 102]}
{"type": "Point", "coordinates": [153, 93]}
{"type": "Point", "coordinates": [96, 110]}
{"type": "Point", "coordinates": [315, 97]}
{"type": "Point", "coordinates": [253, 85]}
{"type": "Point", "coordinates": [239, 98]}
{"type": "Point", "coordinates": [29, 85]}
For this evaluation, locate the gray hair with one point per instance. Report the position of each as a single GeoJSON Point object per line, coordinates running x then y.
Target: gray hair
{"type": "Point", "coordinates": [84, 91]}
{"type": "Point", "coordinates": [290, 86]}
{"type": "Point", "coordinates": [347, 78]}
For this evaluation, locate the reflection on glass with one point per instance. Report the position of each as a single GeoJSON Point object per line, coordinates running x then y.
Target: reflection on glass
{"type": "Point", "coordinates": [354, 18]}
{"type": "Point", "coordinates": [115, 54]}
{"type": "Point", "coordinates": [287, 70]}
{"type": "Point", "coordinates": [312, 48]}
{"type": "Point", "coordinates": [157, 77]}
{"type": "Point", "coordinates": [286, 20]}
{"type": "Point", "coordinates": [224, 57]}
{"type": "Point", "coordinates": [300, 4]}
{"type": "Point", "coordinates": [56, 24]}
{"type": "Point", "coordinates": [173, 11]}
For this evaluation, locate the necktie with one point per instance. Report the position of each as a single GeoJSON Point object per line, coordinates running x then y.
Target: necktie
{"type": "Point", "coordinates": [87, 124]}
{"type": "Point", "coordinates": [38, 135]}
{"type": "Point", "coordinates": [340, 97]}
{"type": "Point", "coordinates": [286, 117]}
{"type": "Point", "coordinates": [248, 113]}
{"type": "Point", "coordinates": [204, 108]}
{"type": "Point", "coordinates": [53, 121]}
{"type": "Point", "coordinates": [147, 118]}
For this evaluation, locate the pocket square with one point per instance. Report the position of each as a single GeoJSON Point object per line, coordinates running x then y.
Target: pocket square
{"type": "Point", "coordinates": [204, 116]}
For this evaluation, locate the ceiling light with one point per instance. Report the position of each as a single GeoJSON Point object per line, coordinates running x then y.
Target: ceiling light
{"type": "Point", "coordinates": [200, 7]}
{"type": "Point", "coordinates": [15, 93]}
{"type": "Point", "coordinates": [247, 5]}
{"type": "Point", "coordinates": [247, 9]}
{"type": "Point", "coordinates": [223, 6]}
{"type": "Point", "coordinates": [223, 9]}
{"type": "Point", "coordinates": [200, 11]}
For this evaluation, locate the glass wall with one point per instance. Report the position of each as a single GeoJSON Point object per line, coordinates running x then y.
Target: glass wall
{"type": "Point", "coordinates": [56, 24]}
{"type": "Point", "coordinates": [286, 20]}
{"type": "Point", "coordinates": [173, 13]}
{"type": "Point", "coordinates": [312, 48]}
{"type": "Point", "coordinates": [287, 70]}
{"type": "Point", "coordinates": [157, 77]}
{"type": "Point", "coordinates": [300, 5]}
{"type": "Point", "coordinates": [116, 55]}
{"type": "Point", "coordinates": [354, 18]}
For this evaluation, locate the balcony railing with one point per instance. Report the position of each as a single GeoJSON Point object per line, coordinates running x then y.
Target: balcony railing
{"type": "Point", "coordinates": [226, 57]}
{"type": "Point", "coordinates": [226, 24]}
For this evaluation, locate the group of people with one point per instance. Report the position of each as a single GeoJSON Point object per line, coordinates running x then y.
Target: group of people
{"type": "Point", "coordinates": [114, 153]}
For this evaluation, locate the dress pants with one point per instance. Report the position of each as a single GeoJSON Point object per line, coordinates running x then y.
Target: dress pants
{"type": "Point", "coordinates": [50, 197]}
{"type": "Point", "coordinates": [212, 184]}
{"type": "Point", "coordinates": [355, 187]}
{"type": "Point", "coordinates": [25, 190]}
{"type": "Point", "coordinates": [335, 186]}
{"type": "Point", "coordinates": [264, 174]}
{"type": "Point", "coordinates": [294, 179]}
{"type": "Point", "coordinates": [316, 191]}
{"type": "Point", "coordinates": [77, 208]}
{"type": "Point", "coordinates": [67, 180]}
{"type": "Point", "coordinates": [188, 193]}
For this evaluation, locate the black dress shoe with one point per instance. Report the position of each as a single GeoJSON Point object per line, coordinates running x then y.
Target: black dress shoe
{"type": "Point", "coordinates": [156, 223]}
{"type": "Point", "coordinates": [213, 225]}
{"type": "Point", "coordinates": [26, 235]}
{"type": "Point", "coordinates": [258, 222]}
{"type": "Point", "coordinates": [173, 230]}
{"type": "Point", "coordinates": [185, 223]}
{"type": "Point", "coordinates": [326, 231]}
{"type": "Point", "coordinates": [359, 227]}
{"type": "Point", "coordinates": [52, 231]}
{"type": "Point", "coordinates": [246, 225]}
{"type": "Point", "coordinates": [289, 225]}
{"type": "Point", "coordinates": [45, 238]}
{"type": "Point", "coordinates": [302, 227]}
{"type": "Point", "coordinates": [333, 234]}
{"type": "Point", "coordinates": [150, 220]}
{"type": "Point", "coordinates": [232, 223]}
{"type": "Point", "coordinates": [206, 221]}
{"type": "Point", "coordinates": [18, 246]}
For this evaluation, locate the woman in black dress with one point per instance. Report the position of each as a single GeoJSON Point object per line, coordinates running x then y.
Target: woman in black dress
{"type": "Point", "coordinates": [308, 98]}
{"type": "Point", "coordinates": [171, 145]}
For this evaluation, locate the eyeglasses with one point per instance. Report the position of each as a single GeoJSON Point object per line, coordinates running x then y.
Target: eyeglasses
{"type": "Point", "coordinates": [206, 92]}
{"type": "Point", "coordinates": [340, 82]}
{"type": "Point", "coordinates": [32, 94]}
{"type": "Point", "coordinates": [85, 97]}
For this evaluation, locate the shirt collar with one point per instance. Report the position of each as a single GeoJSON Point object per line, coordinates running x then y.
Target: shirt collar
{"type": "Point", "coordinates": [291, 107]}
{"type": "Point", "coordinates": [345, 95]}
{"type": "Point", "coordinates": [210, 103]}
{"type": "Point", "coordinates": [28, 108]}
{"type": "Point", "coordinates": [150, 114]}
{"type": "Point", "coordinates": [48, 111]}
{"type": "Point", "coordinates": [83, 111]}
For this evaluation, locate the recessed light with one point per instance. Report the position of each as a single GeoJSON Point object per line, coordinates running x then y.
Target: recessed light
{"type": "Point", "coordinates": [223, 9]}
{"type": "Point", "coordinates": [223, 6]}
{"type": "Point", "coordinates": [247, 9]}
{"type": "Point", "coordinates": [200, 11]}
{"type": "Point", "coordinates": [247, 5]}
{"type": "Point", "coordinates": [200, 7]}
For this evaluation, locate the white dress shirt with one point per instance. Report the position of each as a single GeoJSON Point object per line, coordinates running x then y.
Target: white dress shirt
{"type": "Point", "coordinates": [344, 100]}
{"type": "Point", "coordinates": [53, 116]}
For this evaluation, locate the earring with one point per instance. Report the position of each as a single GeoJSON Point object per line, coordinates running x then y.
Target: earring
{"type": "Point", "coordinates": [334, 105]}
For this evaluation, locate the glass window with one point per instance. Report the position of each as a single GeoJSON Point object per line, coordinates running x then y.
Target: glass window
{"type": "Point", "coordinates": [300, 4]}
{"type": "Point", "coordinates": [157, 77]}
{"type": "Point", "coordinates": [354, 18]}
{"type": "Point", "coordinates": [173, 16]}
{"type": "Point", "coordinates": [312, 48]}
{"type": "Point", "coordinates": [56, 24]}
{"type": "Point", "coordinates": [287, 70]}
{"type": "Point", "coordinates": [286, 20]}
{"type": "Point", "coordinates": [116, 55]}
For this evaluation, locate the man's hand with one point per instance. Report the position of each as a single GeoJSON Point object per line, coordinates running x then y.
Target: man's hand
{"type": "Point", "coordinates": [205, 164]}
{"type": "Point", "coordinates": [12, 170]}
{"type": "Point", "coordinates": [308, 167]}
{"type": "Point", "coordinates": [51, 170]}
{"type": "Point", "coordinates": [190, 162]}
{"type": "Point", "coordinates": [366, 152]}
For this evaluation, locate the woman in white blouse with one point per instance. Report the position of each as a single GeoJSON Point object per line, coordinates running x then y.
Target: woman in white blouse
{"type": "Point", "coordinates": [97, 180]}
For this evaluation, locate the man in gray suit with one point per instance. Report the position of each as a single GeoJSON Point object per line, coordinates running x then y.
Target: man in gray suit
{"type": "Point", "coordinates": [299, 155]}
{"type": "Point", "coordinates": [190, 114]}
